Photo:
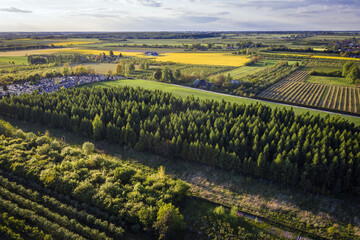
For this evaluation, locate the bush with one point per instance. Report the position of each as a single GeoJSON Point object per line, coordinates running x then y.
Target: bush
{"type": "Point", "coordinates": [20, 134]}
{"type": "Point", "coordinates": [88, 148]}
{"type": "Point", "coordinates": [124, 175]}
{"type": "Point", "coordinates": [55, 145]}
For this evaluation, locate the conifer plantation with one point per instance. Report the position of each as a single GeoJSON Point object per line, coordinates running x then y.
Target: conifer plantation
{"type": "Point", "coordinates": [305, 151]}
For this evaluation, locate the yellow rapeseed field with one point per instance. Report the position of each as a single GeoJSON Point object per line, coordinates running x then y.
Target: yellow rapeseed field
{"type": "Point", "coordinates": [221, 59]}
{"type": "Point", "coordinates": [186, 58]}
{"type": "Point", "coordinates": [204, 59]}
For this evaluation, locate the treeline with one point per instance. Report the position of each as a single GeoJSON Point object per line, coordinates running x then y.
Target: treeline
{"type": "Point", "coordinates": [287, 49]}
{"type": "Point", "coordinates": [58, 58]}
{"type": "Point", "coordinates": [72, 193]}
{"type": "Point", "coordinates": [17, 47]}
{"type": "Point", "coordinates": [313, 153]}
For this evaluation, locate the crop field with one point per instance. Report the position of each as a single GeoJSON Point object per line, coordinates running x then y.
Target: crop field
{"type": "Point", "coordinates": [55, 42]}
{"type": "Point", "coordinates": [246, 70]}
{"type": "Point", "coordinates": [293, 89]}
{"type": "Point", "coordinates": [219, 59]}
{"type": "Point", "coordinates": [17, 60]}
{"type": "Point", "coordinates": [338, 81]}
{"type": "Point", "coordinates": [101, 68]}
{"type": "Point", "coordinates": [180, 91]}
{"type": "Point", "coordinates": [24, 53]}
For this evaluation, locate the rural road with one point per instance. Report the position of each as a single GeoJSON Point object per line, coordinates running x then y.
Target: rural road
{"type": "Point", "coordinates": [267, 101]}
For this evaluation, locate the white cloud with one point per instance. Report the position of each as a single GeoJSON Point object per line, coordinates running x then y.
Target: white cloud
{"type": "Point", "coordinates": [15, 10]}
{"type": "Point", "coordinates": [159, 15]}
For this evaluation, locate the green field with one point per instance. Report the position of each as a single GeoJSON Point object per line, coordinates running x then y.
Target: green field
{"type": "Point", "coordinates": [16, 60]}
{"type": "Point", "coordinates": [185, 92]}
{"type": "Point", "coordinates": [336, 81]}
{"type": "Point", "coordinates": [246, 70]}
{"type": "Point", "coordinates": [322, 68]}
{"type": "Point", "coordinates": [243, 71]}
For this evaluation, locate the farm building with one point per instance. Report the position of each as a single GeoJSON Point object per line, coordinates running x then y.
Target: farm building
{"type": "Point", "coordinates": [152, 54]}
{"type": "Point", "coordinates": [202, 84]}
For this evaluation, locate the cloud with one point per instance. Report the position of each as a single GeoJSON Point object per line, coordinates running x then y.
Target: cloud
{"type": "Point", "coordinates": [99, 13]}
{"type": "Point", "coordinates": [148, 3]}
{"type": "Point", "coordinates": [15, 10]}
{"type": "Point", "coordinates": [283, 5]}
{"type": "Point", "coordinates": [223, 13]}
{"type": "Point", "coordinates": [200, 19]}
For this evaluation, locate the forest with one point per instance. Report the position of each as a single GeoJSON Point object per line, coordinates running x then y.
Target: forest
{"type": "Point", "coordinates": [60, 191]}
{"type": "Point", "coordinates": [306, 151]}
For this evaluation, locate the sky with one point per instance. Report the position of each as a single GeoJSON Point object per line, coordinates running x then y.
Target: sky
{"type": "Point", "coordinates": [179, 15]}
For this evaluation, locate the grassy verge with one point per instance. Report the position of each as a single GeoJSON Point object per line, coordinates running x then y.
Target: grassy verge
{"type": "Point", "coordinates": [185, 92]}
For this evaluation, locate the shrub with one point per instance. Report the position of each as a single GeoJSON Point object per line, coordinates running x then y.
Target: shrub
{"type": "Point", "coordinates": [88, 148]}
{"type": "Point", "coordinates": [124, 175]}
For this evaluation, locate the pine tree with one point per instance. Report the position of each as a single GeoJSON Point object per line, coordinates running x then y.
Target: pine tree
{"type": "Point", "coordinates": [98, 128]}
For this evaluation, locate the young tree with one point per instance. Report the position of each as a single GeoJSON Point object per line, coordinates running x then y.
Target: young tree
{"type": "Point", "coordinates": [169, 222]}
{"type": "Point", "coordinates": [157, 74]}
{"type": "Point", "coordinates": [166, 75]}
{"type": "Point", "coordinates": [66, 71]}
{"type": "Point", "coordinates": [119, 69]}
{"type": "Point", "coordinates": [98, 128]}
{"type": "Point", "coordinates": [80, 70]}
{"type": "Point", "coordinates": [177, 74]}
{"type": "Point", "coordinates": [219, 80]}
{"type": "Point", "coordinates": [132, 67]}
{"type": "Point", "coordinates": [88, 148]}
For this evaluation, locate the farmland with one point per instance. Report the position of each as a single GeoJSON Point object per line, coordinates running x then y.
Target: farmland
{"type": "Point", "coordinates": [338, 81]}
{"type": "Point", "coordinates": [218, 59]}
{"type": "Point", "coordinates": [17, 60]}
{"type": "Point", "coordinates": [188, 92]}
{"type": "Point", "coordinates": [293, 89]}
{"type": "Point", "coordinates": [234, 135]}
{"type": "Point", "coordinates": [112, 97]}
{"type": "Point", "coordinates": [246, 70]}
